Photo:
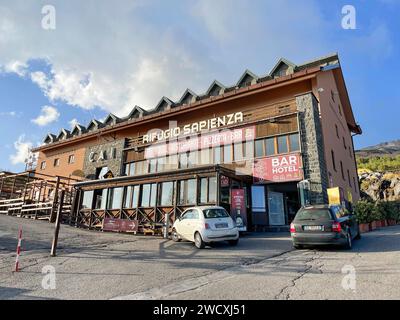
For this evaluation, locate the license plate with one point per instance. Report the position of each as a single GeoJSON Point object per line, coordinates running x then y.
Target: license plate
{"type": "Point", "coordinates": [313, 228]}
{"type": "Point", "coordinates": [221, 225]}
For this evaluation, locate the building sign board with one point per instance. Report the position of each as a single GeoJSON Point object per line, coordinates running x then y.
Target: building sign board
{"type": "Point", "coordinates": [201, 142]}
{"type": "Point", "coordinates": [120, 225]}
{"type": "Point", "coordinates": [281, 168]}
{"type": "Point", "coordinates": [193, 128]}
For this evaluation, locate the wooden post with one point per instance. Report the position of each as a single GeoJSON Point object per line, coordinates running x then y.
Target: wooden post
{"type": "Point", "coordinates": [57, 225]}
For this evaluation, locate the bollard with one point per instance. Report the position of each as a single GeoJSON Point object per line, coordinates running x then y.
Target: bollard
{"type": "Point", "coordinates": [166, 226]}
{"type": "Point", "coordinates": [18, 250]}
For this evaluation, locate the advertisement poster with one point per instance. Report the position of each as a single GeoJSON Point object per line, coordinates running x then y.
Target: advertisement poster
{"type": "Point", "coordinates": [278, 169]}
{"type": "Point", "coordinates": [238, 208]}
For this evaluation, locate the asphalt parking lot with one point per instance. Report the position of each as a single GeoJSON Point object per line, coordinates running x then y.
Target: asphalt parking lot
{"type": "Point", "coordinates": [96, 265]}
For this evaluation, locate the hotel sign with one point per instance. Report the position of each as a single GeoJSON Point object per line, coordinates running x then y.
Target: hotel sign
{"type": "Point", "coordinates": [193, 128]}
{"type": "Point", "coordinates": [278, 169]}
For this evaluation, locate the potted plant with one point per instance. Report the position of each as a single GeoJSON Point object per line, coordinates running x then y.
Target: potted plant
{"type": "Point", "coordinates": [363, 211]}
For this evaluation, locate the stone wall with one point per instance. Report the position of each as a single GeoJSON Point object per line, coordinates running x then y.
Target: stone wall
{"type": "Point", "coordinates": [312, 145]}
{"type": "Point", "coordinates": [106, 154]}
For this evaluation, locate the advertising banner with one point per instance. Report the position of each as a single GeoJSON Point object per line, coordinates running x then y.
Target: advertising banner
{"type": "Point", "coordinates": [238, 208]}
{"type": "Point", "coordinates": [282, 168]}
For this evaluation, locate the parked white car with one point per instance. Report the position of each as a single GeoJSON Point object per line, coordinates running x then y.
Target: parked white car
{"type": "Point", "coordinates": [203, 225]}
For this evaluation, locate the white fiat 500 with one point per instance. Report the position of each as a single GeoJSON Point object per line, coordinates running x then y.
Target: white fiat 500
{"type": "Point", "coordinates": [203, 225]}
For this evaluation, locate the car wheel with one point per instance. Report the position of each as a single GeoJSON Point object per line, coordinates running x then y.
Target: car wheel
{"type": "Point", "coordinates": [175, 236]}
{"type": "Point", "coordinates": [349, 243]}
{"type": "Point", "coordinates": [198, 241]}
{"type": "Point", "coordinates": [233, 242]}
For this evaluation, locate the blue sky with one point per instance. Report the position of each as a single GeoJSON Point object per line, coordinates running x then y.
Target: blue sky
{"type": "Point", "coordinates": [106, 56]}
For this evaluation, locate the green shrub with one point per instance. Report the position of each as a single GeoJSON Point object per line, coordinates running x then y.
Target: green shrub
{"type": "Point", "coordinates": [365, 211]}
{"type": "Point", "coordinates": [386, 210]}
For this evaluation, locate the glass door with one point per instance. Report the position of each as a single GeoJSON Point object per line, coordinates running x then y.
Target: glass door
{"type": "Point", "coordinates": [276, 209]}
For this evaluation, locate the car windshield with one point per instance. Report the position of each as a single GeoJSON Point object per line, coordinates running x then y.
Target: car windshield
{"type": "Point", "coordinates": [313, 214]}
{"type": "Point", "coordinates": [215, 213]}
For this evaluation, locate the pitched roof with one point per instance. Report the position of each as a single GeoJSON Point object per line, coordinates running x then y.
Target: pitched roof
{"type": "Point", "coordinates": [215, 85]}
{"type": "Point", "coordinates": [167, 103]}
{"type": "Point", "coordinates": [78, 129]}
{"type": "Point", "coordinates": [188, 97]}
{"type": "Point", "coordinates": [244, 79]}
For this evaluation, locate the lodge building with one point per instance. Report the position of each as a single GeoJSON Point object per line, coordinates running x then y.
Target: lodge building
{"type": "Point", "coordinates": [261, 148]}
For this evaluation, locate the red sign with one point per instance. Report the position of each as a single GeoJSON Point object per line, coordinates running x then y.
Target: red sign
{"type": "Point", "coordinates": [119, 225]}
{"type": "Point", "coordinates": [278, 169]}
{"type": "Point", "coordinates": [238, 207]}
{"type": "Point", "coordinates": [202, 142]}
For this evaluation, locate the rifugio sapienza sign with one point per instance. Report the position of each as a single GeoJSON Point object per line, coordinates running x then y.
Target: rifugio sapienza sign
{"type": "Point", "coordinates": [281, 168]}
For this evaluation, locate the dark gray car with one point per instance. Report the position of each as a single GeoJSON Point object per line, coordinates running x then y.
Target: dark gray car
{"type": "Point", "coordinates": [322, 225]}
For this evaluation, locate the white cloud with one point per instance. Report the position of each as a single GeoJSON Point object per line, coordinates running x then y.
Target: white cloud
{"type": "Point", "coordinates": [73, 123]}
{"type": "Point", "coordinates": [116, 57]}
{"type": "Point", "coordinates": [48, 115]}
{"type": "Point", "coordinates": [15, 66]}
{"type": "Point", "coordinates": [22, 148]}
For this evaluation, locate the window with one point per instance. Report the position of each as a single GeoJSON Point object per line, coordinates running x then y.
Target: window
{"type": "Point", "coordinates": [337, 130]}
{"type": "Point", "coordinates": [131, 171]}
{"type": "Point", "coordinates": [205, 156]}
{"type": "Point", "coordinates": [228, 153]}
{"type": "Point", "coordinates": [212, 189]}
{"type": "Point", "coordinates": [166, 194]}
{"type": "Point", "coordinates": [193, 158]}
{"type": "Point", "coordinates": [187, 192]}
{"type": "Point", "coordinates": [340, 109]}
{"type": "Point", "coordinates": [215, 213]}
{"type": "Point", "coordinates": [333, 160]}
{"type": "Point", "coordinates": [203, 190]}
{"type": "Point", "coordinates": [141, 167]}
{"type": "Point", "coordinates": [153, 166]}
{"type": "Point", "coordinates": [101, 198]}
{"type": "Point", "coordinates": [294, 142]}
{"type": "Point", "coordinates": [128, 197]}
{"type": "Point", "coordinates": [208, 190]}
{"type": "Point", "coordinates": [57, 162]}
{"type": "Point", "coordinates": [259, 148]}
{"type": "Point", "coordinates": [149, 192]}
{"type": "Point", "coordinates": [282, 144]}
{"type": "Point", "coordinates": [348, 176]}
{"type": "Point", "coordinates": [101, 172]}
{"type": "Point", "coordinates": [43, 165]}
{"type": "Point", "coordinates": [87, 200]}
{"type": "Point", "coordinates": [183, 161]}
{"type": "Point", "coordinates": [341, 169]}
{"type": "Point", "coordinates": [238, 151]}
{"type": "Point", "coordinates": [115, 198]}
{"type": "Point", "coordinates": [344, 143]}
{"type": "Point", "coordinates": [217, 155]}
{"type": "Point", "coordinates": [270, 146]}
{"type": "Point", "coordinates": [71, 159]}
{"type": "Point", "coordinates": [354, 183]}
{"type": "Point", "coordinates": [332, 96]}
{"type": "Point", "coordinates": [135, 197]}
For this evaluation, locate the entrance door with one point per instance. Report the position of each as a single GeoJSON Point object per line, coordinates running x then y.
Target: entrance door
{"type": "Point", "coordinates": [276, 209]}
